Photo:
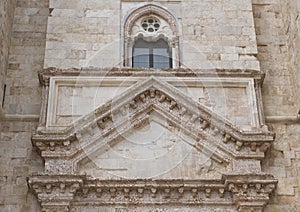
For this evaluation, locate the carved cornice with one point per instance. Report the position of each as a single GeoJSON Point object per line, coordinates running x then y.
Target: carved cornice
{"type": "Point", "coordinates": [155, 191]}
{"type": "Point", "coordinates": [251, 191]}
{"type": "Point", "coordinates": [55, 192]}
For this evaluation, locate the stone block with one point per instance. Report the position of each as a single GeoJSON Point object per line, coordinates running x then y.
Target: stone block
{"type": "Point", "coordinates": [230, 57]}
{"type": "Point", "coordinates": [286, 186]}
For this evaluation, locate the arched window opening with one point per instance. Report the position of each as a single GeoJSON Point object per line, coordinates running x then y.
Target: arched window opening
{"type": "Point", "coordinates": [151, 38]}
{"type": "Point", "coordinates": [151, 54]}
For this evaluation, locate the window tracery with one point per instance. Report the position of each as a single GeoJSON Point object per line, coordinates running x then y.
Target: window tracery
{"type": "Point", "coordinates": [151, 24]}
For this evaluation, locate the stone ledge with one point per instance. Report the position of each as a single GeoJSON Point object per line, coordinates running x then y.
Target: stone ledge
{"type": "Point", "coordinates": [45, 74]}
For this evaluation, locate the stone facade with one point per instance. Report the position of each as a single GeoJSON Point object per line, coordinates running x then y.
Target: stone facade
{"type": "Point", "coordinates": [90, 33]}
{"type": "Point", "coordinates": [26, 56]}
{"type": "Point", "coordinates": [277, 28]}
{"type": "Point", "coordinates": [62, 60]}
{"type": "Point", "coordinates": [6, 23]}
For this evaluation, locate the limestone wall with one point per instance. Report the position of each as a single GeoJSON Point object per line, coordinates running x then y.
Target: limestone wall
{"type": "Point", "coordinates": [83, 33]}
{"type": "Point", "coordinates": [219, 34]}
{"type": "Point", "coordinates": [6, 21]}
{"type": "Point", "coordinates": [17, 161]}
{"type": "Point", "coordinates": [89, 33]}
{"type": "Point", "coordinates": [283, 162]}
{"type": "Point", "coordinates": [291, 21]}
{"type": "Point", "coordinates": [277, 28]}
{"type": "Point", "coordinates": [26, 57]}
{"type": "Point", "coordinates": [274, 33]}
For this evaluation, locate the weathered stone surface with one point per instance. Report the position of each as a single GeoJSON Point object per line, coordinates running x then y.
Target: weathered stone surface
{"type": "Point", "coordinates": [231, 36]}
{"type": "Point", "coordinates": [7, 8]}
{"type": "Point", "coordinates": [26, 57]}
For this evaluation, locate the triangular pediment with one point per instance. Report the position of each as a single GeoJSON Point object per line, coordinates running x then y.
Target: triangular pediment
{"type": "Point", "coordinates": [203, 129]}
{"type": "Point", "coordinates": [173, 98]}
{"type": "Point", "coordinates": [112, 121]}
{"type": "Point", "coordinates": [153, 150]}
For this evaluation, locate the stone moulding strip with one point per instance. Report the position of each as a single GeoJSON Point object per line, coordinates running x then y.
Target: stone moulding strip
{"type": "Point", "coordinates": [284, 119]}
{"type": "Point", "coordinates": [20, 117]}
{"type": "Point", "coordinates": [45, 74]}
{"type": "Point", "coordinates": [249, 191]}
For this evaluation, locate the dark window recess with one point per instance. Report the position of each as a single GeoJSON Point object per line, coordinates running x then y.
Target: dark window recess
{"type": "Point", "coordinates": [3, 98]}
{"type": "Point", "coordinates": [151, 54]}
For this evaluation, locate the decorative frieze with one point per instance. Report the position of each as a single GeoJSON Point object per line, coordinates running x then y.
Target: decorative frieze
{"type": "Point", "coordinates": [251, 191]}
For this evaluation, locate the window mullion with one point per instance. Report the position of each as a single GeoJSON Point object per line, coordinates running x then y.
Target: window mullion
{"type": "Point", "coordinates": [151, 58]}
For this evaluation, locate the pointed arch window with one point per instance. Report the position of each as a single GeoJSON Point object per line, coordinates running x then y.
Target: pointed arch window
{"type": "Point", "coordinates": [151, 54]}
{"type": "Point", "coordinates": [151, 38]}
